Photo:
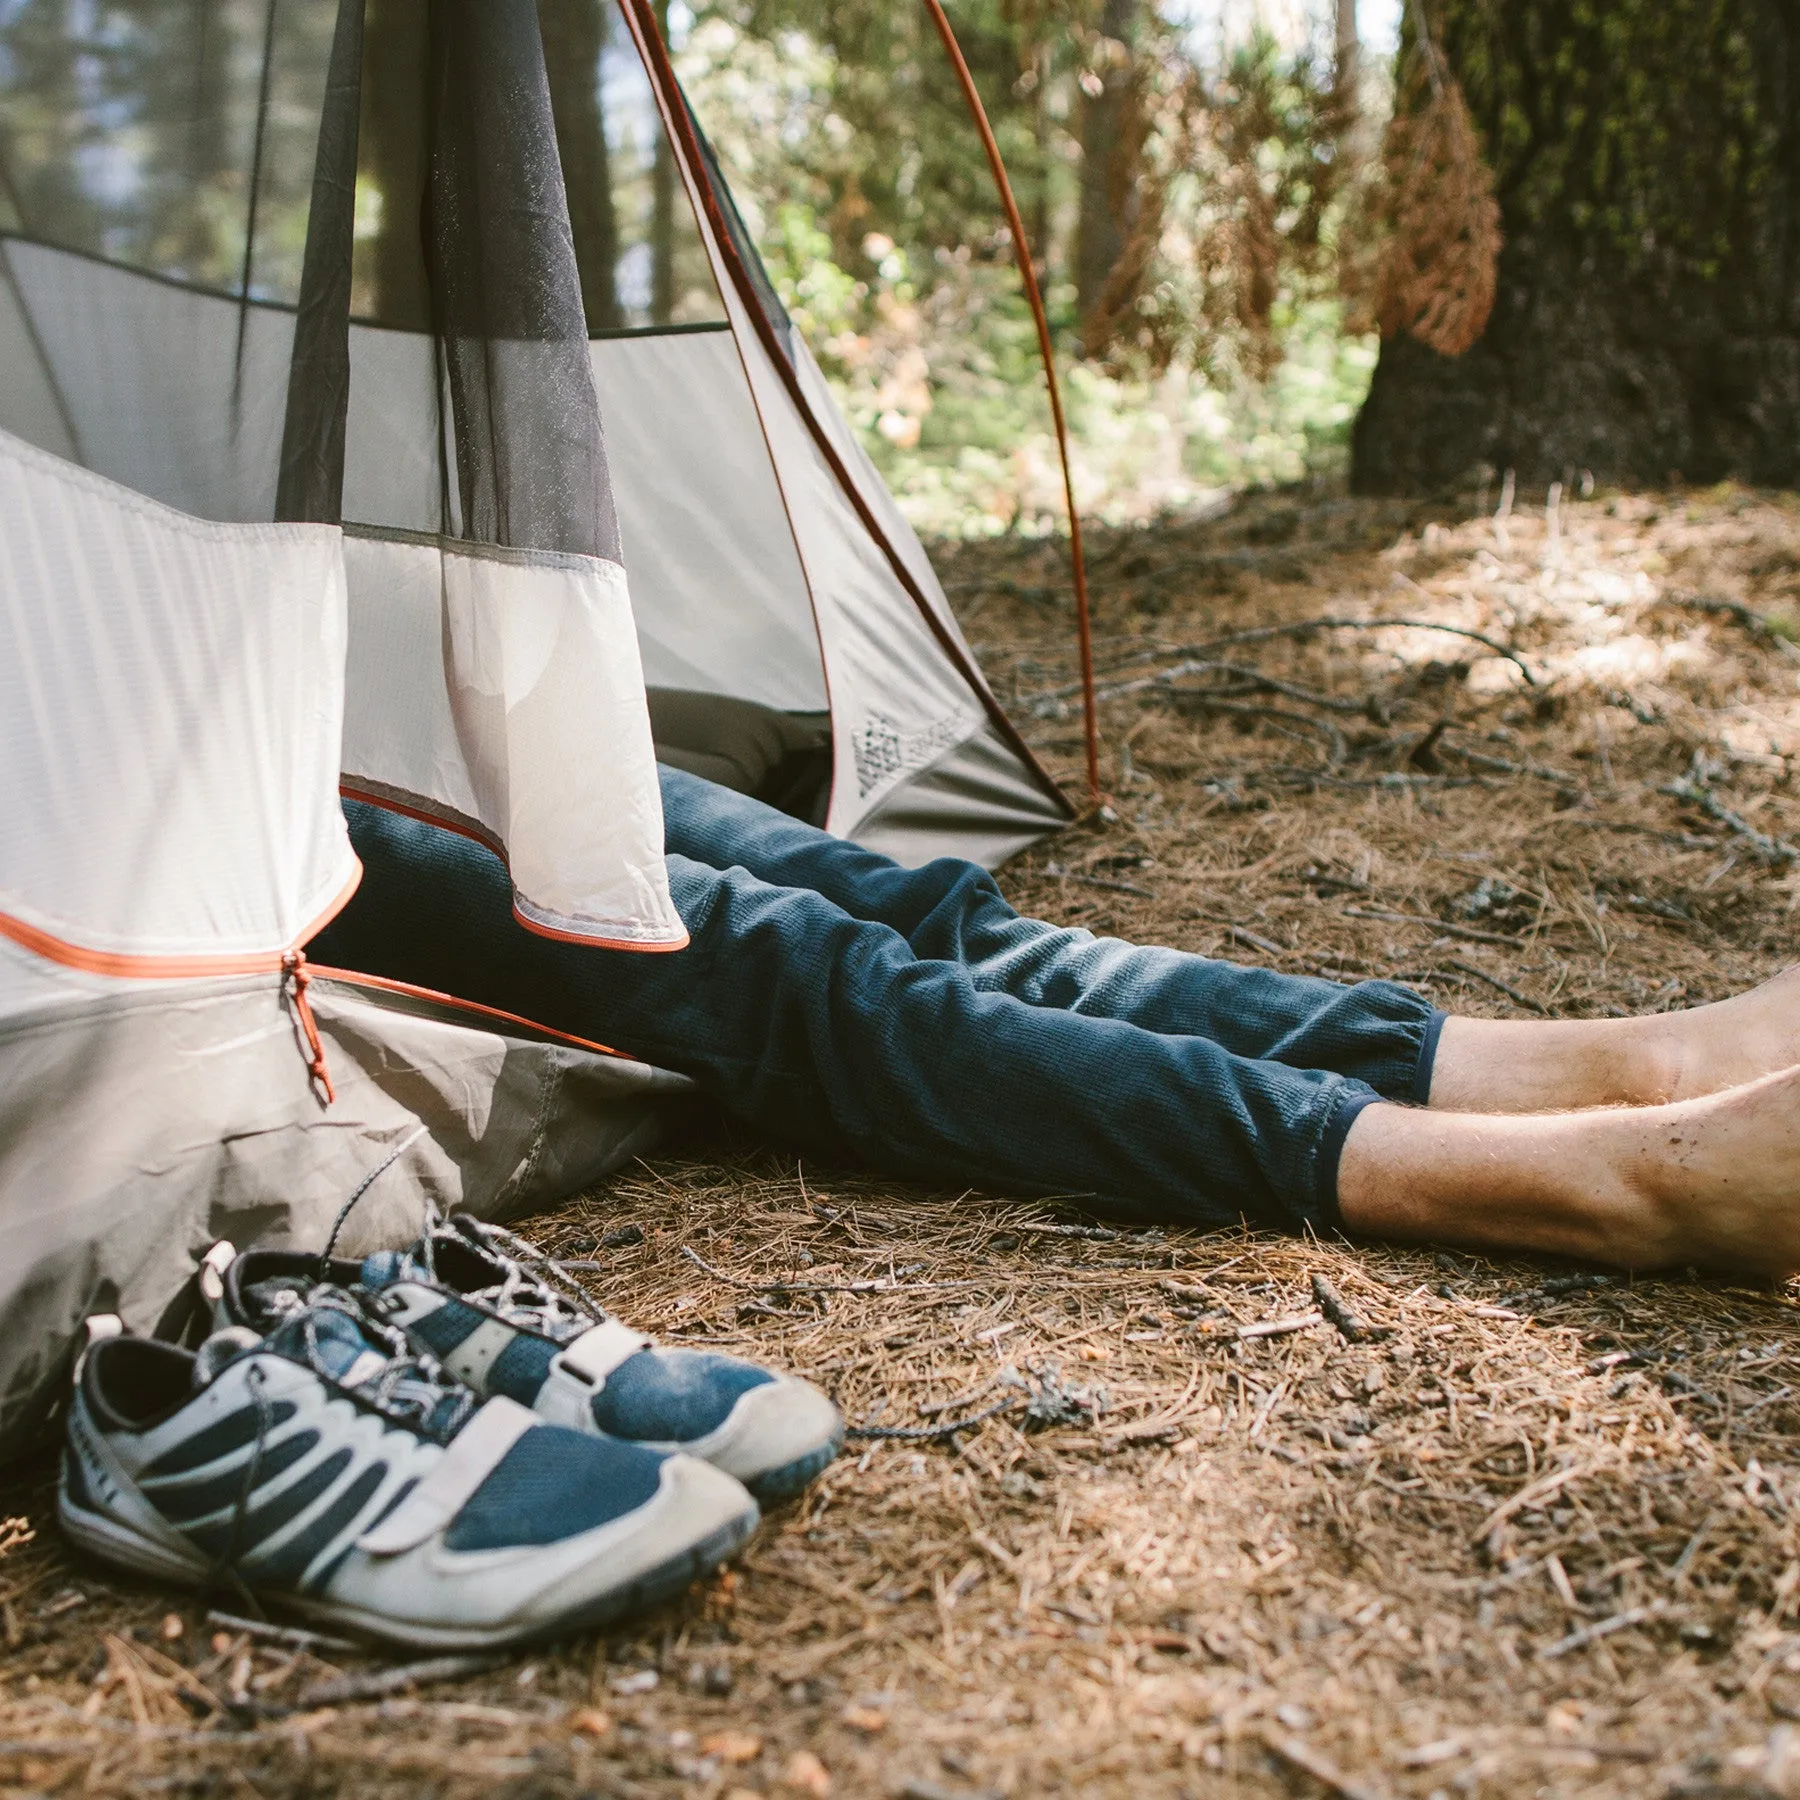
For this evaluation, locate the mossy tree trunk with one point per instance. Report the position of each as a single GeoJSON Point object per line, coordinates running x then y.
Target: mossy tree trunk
{"type": "Point", "coordinates": [1647, 319]}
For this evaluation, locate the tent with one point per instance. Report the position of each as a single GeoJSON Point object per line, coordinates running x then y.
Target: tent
{"type": "Point", "coordinates": [351, 353]}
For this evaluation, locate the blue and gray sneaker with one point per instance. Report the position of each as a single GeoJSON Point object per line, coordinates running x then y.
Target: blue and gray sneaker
{"type": "Point", "coordinates": [330, 1467]}
{"type": "Point", "coordinates": [501, 1317]}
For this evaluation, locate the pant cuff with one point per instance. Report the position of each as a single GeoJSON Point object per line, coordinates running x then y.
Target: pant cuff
{"type": "Point", "coordinates": [1428, 1049]}
{"type": "Point", "coordinates": [1346, 1110]}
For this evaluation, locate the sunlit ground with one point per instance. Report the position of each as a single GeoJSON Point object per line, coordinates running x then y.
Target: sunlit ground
{"type": "Point", "coordinates": [1532, 1533]}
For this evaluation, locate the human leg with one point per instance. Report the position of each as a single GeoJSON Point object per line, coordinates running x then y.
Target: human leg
{"type": "Point", "coordinates": [1713, 1180]}
{"type": "Point", "coordinates": [828, 1031]}
{"type": "Point", "coordinates": [1532, 1065]}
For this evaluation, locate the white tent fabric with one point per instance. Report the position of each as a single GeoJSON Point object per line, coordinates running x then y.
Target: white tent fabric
{"type": "Point", "coordinates": [171, 694]}
{"type": "Point", "coordinates": [502, 690]}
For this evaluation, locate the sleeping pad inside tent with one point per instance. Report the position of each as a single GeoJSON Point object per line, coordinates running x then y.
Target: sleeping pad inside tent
{"type": "Point", "coordinates": [351, 352]}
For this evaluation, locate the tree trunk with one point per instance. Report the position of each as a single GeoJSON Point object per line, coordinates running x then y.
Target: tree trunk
{"type": "Point", "coordinates": [1348, 71]}
{"type": "Point", "coordinates": [1647, 318]}
{"type": "Point", "coordinates": [1103, 228]}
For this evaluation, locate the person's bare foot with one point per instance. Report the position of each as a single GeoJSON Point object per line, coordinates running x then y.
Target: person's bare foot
{"type": "Point", "coordinates": [1719, 1177]}
{"type": "Point", "coordinates": [1737, 1040]}
{"type": "Point", "coordinates": [1562, 1065]}
{"type": "Point", "coordinates": [1713, 1181]}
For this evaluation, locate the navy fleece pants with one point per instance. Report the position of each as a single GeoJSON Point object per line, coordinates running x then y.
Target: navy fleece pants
{"type": "Point", "coordinates": [911, 1020]}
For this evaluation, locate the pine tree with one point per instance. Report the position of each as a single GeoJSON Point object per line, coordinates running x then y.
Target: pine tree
{"type": "Point", "coordinates": [1646, 319]}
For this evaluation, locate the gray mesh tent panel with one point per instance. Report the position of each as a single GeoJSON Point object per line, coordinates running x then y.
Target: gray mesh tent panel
{"type": "Point", "coordinates": [350, 354]}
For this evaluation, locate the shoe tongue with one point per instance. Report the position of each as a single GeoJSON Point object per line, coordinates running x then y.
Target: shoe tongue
{"type": "Point", "coordinates": [384, 1267]}
{"type": "Point", "coordinates": [338, 1344]}
{"type": "Point", "coordinates": [221, 1348]}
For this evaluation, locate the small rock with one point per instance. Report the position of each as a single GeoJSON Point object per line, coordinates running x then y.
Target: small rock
{"type": "Point", "coordinates": [590, 1721]}
{"type": "Point", "coordinates": [622, 1238]}
{"type": "Point", "coordinates": [732, 1746]}
{"type": "Point", "coordinates": [805, 1774]}
{"type": "Point", "coordinates": [867, 1719]}
{"type": "Point", "coordinates": [639, 1681]}
{"type": "Point", "coordinates": [171, 1628]}
{"type": "Point", "coordinates": [1003, 1241]}
{"type": "Point", "coordinates": [582, 1243]}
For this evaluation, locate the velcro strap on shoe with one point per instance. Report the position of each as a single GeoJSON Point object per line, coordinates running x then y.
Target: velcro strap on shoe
{"type": "Point", "coordinates": [595, 1354]}
{"type": "Point", "coordinates": [474, 1454]}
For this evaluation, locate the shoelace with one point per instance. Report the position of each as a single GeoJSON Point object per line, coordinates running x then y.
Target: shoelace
{"type": "Point", "coordinates": [535, 1289]}
{"type": "Point", "coordinates": [412, 1388]}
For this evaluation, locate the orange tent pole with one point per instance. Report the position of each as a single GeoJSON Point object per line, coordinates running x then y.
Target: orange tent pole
{"type": "Point", "coordinates": [1027, 274]}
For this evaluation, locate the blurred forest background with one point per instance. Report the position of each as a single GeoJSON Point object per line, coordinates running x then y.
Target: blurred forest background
{"type": "Point", "coordinates": [1191, 177]}
{"type": "Point", "coordinates": [1409, 243]}
{"type": "Point", "coordinates": [1557, 237]}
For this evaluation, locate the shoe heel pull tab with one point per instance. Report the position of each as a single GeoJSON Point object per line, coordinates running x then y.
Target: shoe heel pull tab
{"type": "Point", "coordinates": [96, 1328]}
{"type": "Point", "coordinates": [212, 1271]}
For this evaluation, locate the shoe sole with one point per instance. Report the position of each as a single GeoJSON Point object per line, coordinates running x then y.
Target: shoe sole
{"type": "Point", "coordinates": [777, 1438]}
{"type": "Point", "coordinates": [117, 1544]}
{"type": "Point", "coordinates": [776, 1485]}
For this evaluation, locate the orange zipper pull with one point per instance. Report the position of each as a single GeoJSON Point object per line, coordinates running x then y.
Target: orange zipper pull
{"type": "Point", "coordinates": [294, 970]}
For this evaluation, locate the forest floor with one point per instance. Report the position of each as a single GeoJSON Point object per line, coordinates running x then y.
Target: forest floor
{"type": "Point", "coordinates": [1531, 1529]}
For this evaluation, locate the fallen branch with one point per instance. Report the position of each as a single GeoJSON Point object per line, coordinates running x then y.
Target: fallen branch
{"type": "Point", "coordinates": [779, 1286]}
{"type": "Point", "coordinates": [1302, 628]}
{"type": "Point", "coordinates": [1589, 1634]}
{"type": "Point", "coordinates": [1776, 852]}
{"type": "Point", "coordinates": [1494, 981]}
{"type": "Point", "coordinates": [1337, 749]}
{"type": "Point", "coordinates": [378, 1684]}
{"type": "Point", "coordinates": [1448, 926]}
{"type": "Point", "coordinates": [920, 1434]}
{"type": "Point", "coordinates": [1267, 1328]}
{"type": "Point", "coordinates": [290, 1635]}
{"type": "Point", "coordinates": [1108, 882]}
{"type": "Point", "coordinates": [1309, 1761]}
{"type": "Point", "coordinates": [1337, 1309]}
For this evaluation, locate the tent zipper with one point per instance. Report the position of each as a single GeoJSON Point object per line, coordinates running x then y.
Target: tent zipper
{"type": "Point", "coordinates": [297, 978]}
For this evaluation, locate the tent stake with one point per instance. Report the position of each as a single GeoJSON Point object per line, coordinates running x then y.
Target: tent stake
{"type": "Point", "coordinates": [1028, 274]}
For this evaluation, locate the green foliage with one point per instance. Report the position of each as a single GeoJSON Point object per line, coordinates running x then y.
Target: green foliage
{"type": "Point", "coordinates": [862, 180]}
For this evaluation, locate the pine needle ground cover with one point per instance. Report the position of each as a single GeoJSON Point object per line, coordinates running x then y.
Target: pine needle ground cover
{"type": "Point", "coordinates": [1158, 1513]}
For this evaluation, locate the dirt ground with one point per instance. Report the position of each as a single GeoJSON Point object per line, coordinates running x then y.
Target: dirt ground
{"type": "Point", "coordinates": [1528, 1530]}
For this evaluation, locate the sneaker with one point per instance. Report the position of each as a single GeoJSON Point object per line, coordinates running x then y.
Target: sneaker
{"type": "Point", "coordinates": [500, 1316]}
{"type": "Point", "coordinates": [328, 1466]}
